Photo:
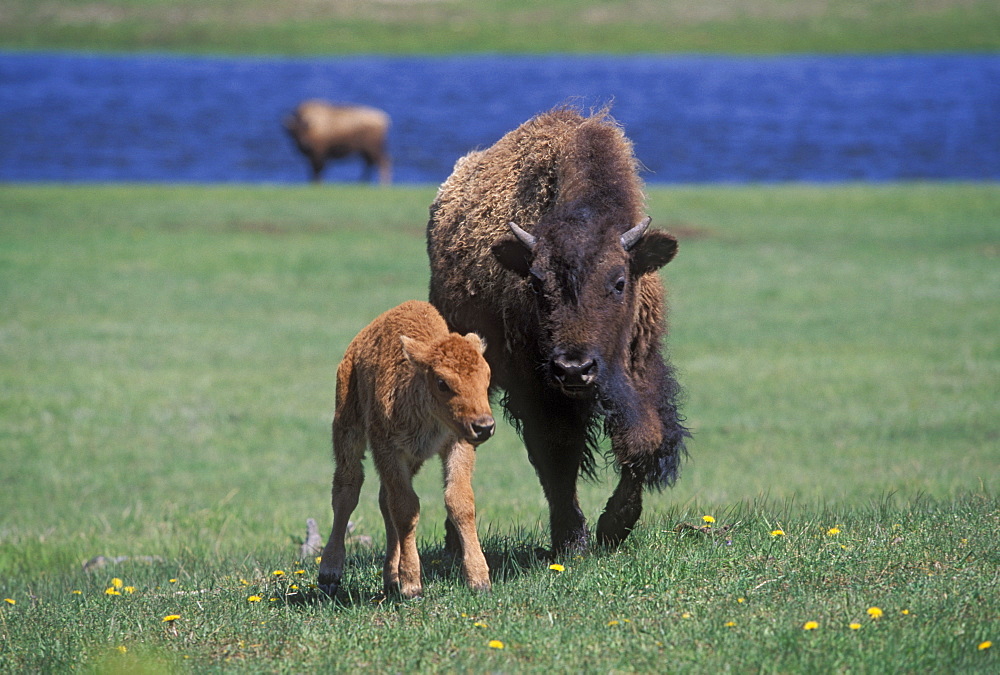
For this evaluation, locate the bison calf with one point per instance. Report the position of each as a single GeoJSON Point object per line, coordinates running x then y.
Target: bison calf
{"type": "Point", "coordinates": [409, 389]}
{"type": "Point", "coordinates": [323, 131]}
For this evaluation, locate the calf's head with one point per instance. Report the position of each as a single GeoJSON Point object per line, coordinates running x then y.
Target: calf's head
{"type": "Point", "coordinates": [457, 379]}
{"type": "Point", "coordinates": [582, 277]}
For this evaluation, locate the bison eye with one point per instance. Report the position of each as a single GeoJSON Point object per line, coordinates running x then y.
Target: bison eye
{"type": "Point", "coordinates": [536, 285]}
{"type": "Point", "coordinates": [443, 386]}
{"type": "Point", "coordinates": [619, 286]}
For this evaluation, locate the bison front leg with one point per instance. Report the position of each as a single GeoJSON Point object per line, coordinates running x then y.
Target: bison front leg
{"type": "Point", "coordinates": [556, 440]}
{"type": "Point", "coordinates": [622, 510]}
{"type": "Point", "coordinates": [648, 441]}
{"type": "Point", "coordinates": [459, 461]}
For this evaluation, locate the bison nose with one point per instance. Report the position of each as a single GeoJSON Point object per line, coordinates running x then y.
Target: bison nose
{"type": "Point", "coordinates": [483, 429]}
{"type": "Point", "coordinates": [574, 373]}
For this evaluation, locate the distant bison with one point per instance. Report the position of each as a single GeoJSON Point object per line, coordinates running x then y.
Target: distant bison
{"type": "Point", "coordinates": [324, 131]}
{"type": "Point", "coordinates": [540, 244]}
{"type": "Point", "coordinates": [409, 390]}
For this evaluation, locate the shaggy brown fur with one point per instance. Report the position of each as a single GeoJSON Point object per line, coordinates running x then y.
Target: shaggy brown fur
{"type": "Point", "coordinates": [409, 389]}
{"type": "Point", "coordinates": [325, 131]}
{"type": "Point", "coordinates": [569, 302]}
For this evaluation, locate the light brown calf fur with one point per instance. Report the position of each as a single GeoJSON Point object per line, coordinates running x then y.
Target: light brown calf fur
{"type": "Point", "coordinates": [409, 389]}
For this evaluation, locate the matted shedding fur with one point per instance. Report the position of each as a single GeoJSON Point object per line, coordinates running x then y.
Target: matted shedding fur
{"type": "Point", "coordinates": [571, 182]}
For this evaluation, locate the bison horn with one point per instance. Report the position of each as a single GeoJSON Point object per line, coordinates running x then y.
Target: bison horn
{"type": "Point", "coordinates": [524, 237]}
{"type": "Point", "coordinates": [632, 237]}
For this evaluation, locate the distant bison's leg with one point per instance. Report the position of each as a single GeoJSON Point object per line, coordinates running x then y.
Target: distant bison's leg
{"type": "Point", "coordinates": [316, 163]}
{"type": "Point", "coordinates": [384, 170]}
{"type": "Point", "coordinates": [556, 442]}
{"type": "Point", "coordinates": [347, 480]}
{"type": "Point", "coordinates": [622, 510]}
{"type": "Point", "coordinates": [459, 461]}
{"type": "Point", "coordinates": [403, 508]}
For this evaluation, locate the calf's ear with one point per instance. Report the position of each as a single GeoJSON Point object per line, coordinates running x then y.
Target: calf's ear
{"type": "Point", "coordinates": [654, 250]}
{"type": "Point", "coordinates": [414, 350]}
{"type": "Point", "coordinates": [476, 341]}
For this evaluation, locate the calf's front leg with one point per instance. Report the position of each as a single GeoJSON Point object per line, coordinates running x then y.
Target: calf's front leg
{"type": "Point", "coordinates": [401, 511]}
{"type": "Point", "coordinates": [458, 461]}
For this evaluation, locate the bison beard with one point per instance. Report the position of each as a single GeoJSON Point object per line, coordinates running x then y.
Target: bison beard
{"type": "Point", "coordinates": [540, 244]}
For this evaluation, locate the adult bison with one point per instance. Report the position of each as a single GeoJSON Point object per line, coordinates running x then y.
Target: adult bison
{"type": "Point", "coordinates": [325, 131]}
{"type": "Point", "coordinates": [540, 244]}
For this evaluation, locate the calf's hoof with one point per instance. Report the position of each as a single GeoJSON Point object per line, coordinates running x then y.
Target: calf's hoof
{"type": "Point", "coordinates": [407, 592]}
{"type": "Point", "coordinates": [481, 586]}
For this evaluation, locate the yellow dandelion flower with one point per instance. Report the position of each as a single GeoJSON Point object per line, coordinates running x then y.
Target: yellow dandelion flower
{"type": "Point", "coordinates": [810, 625]}
{"type": "Point", "coordinates": [170, 618]}
{"type": "Point", "coordinates": [253, 598]}
{"type": "Point", "coordinates": [777, 533]}
{"type": "Point", "coordinates": [480, 624]}
{"type": "Point", "coordinates": [122, 649]}
{"type": "Point", "coordinates": [173, 581]}
{"type": "Point", "coordinates": [112, 591]}
{"type": "Point", "coordinates": [708, 519]}
{"type": "Point", "coordinates": [905, 612]}
{"type": "Point", "coordinates": [77, 592]}
{"type": "Point", "coordinates": [557, 567]}
{"type": "Point", "coordinates": [874, 612]}
{"type": "Point", "coordinates": [278, 573]}
{"type": "Point", "coordinates": [741, 600]}
{"type": "Point", "coordinates": [686, 615]}
{"type": "Point", "coordinates": [10, 601]}
{"type": "Point", "coordinates": [729, 624]}
{"type": "Point", "coordinates": [300, 571]}
{"type": "Point", "coordinates": [984, 645]}
{"type": "Point", "coordinates": [612, 623]}
{"type": "Point", "coordinates": [294, 587]}
{"type": "Point", "coordinates": [832, 531]}
{"type": "Point", "coordinates": [319, 559]}
{"type": "Point", "coordinates": [117, 583]}
{"type": "Point", "coordinates": [854, 626]}
{"type": "Point", "coordinates": [495, 644]}
{"type": "Point", "coordinates": [129, 589]}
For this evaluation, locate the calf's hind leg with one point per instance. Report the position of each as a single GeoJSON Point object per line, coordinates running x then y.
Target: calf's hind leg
{"type": "Point", "coordinates": [347, 480]}
{"type": "Point", "coordinates": [458, 461]}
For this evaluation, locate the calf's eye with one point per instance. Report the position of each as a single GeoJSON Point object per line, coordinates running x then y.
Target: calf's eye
{"type": "Point", "coordinates": [443, 386]}
{"type": "Point", "coordinates": [620, 285]}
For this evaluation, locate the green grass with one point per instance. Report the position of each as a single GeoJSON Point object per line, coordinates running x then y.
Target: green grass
{"type": "Point", "coordinates": [167, 357]}
{"type": "Point", "coordinates": [531, 26]}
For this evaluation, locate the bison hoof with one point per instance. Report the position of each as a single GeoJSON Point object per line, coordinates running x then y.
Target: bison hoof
{"type": "Point", "coordinates": [329, 584]}
{"type": "Point", "coordinates": [611, 531]}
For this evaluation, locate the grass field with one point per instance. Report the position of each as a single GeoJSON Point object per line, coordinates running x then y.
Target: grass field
{"type": "Point", "coordinates": [524, 26]}
{"type": "Point", "coordinates": [167, 357]}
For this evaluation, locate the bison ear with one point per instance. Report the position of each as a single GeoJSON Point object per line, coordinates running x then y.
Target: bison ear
{"type": "Point", "coordinates": [476, 341]}
{"type": "Point", "coordinates": [654, 250]}
{"type": "Point", "coordinates": [513, 255]}
{"type": "Point", "coordinates": [414, 350]}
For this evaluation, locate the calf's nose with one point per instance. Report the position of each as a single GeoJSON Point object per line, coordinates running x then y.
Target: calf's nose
{"type": "Point", "coordinates": [574, 372]}
{"type": "Point", "coordinates": [483, 429]}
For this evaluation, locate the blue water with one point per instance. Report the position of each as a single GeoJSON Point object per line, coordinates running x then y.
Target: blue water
{"type": "Point", "coordinates": [66, 117]}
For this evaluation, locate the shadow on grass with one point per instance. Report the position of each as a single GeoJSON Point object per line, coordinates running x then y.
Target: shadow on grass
{"type": "Point", "coordinates": [507, 559]}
